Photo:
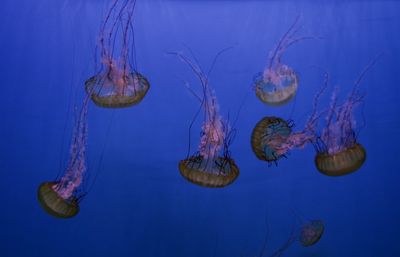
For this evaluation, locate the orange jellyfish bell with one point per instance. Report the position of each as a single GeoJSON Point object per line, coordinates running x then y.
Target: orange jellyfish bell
{"type": "Point", "coordinates": [222, 172]}
{"type": "Point", "coordinates": [54, 204]}
{"type": "Point", "coordinates": [341, 163]}
{"type": "Point", "coordinates": [111, 91]}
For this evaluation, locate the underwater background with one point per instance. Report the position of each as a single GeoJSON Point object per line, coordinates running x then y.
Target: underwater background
{"type": "Point", "coordinates": [139, 204]}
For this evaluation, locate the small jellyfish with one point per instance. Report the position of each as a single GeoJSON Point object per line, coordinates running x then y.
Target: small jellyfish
{"type": "Point", "coordinates": [272, 137]}
{"type": "Point", "coordinates": [307, 234]}
{"type": "Point", "coordinates": [60, 198]}
{"type": "Point", "coordinates": [311, 232]}
{"type": "Point", "coordinates": [278, 84]}
{"type": "Point", "coordinates": [117, 84]}
{"type": "Point", "coordinates": [212, 165]}
{"type": "Point", "coordinates": [338, 150]}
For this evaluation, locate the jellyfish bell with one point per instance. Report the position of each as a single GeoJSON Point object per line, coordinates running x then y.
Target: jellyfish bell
{"type": "Point", "coordinates": [341, 163]}
{"type": "Point", "coordinates": [117, 84]}
{"type": "Point", "coordinates": [111, 91]}
{"type": "Point", "coordinates": [311, 232]}
{"type": "Point", "coordinates": [212, 165]}
{"type": "Point", "coordinates": [219, 172]}
{"type": "Point", "coordinates": [54, 204]}
{"type": "Point", "coordinates": [277, 86]}
{"type": "Point", "coordinates": [269, 133]}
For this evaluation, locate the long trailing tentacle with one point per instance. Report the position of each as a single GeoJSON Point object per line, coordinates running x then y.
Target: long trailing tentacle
{"type": "Point", "coordinates": [216, 59]}
{"type": "Point", "coordinates": [282, 40]}
{"type": "Point", "coordinates": [100, 162]}
{"type": "Point", "coordinates": [314, 115]}
{"type": "Point", "coordinates": [292, 238]}
{"type": "Point", "coordinates": [363, 73]}
{"type": "Point", "coordinates": [103, 28]}
{"type": "Point", "coordinates": [265, 244]}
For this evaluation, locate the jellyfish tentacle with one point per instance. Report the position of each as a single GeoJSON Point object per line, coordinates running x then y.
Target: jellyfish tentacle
{"type": "Point", "coordinates": [103, 28]}
{"type": "Point", "coordinates": [364, 72]}
{"type": "Point", "coordinates": [186, 84]}
{"type": "Point", "coordinates": [282, 41]}
{"type": "Point", "coordinates": [216, 59]}
{"type": "Point", "coordinates": [286, 245]}
{"type": "Point", "coordinates": [76, 166]}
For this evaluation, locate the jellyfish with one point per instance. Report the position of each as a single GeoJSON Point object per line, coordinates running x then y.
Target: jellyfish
{"type": "Point", "coordinates": [338, 150]}
{"type": "Point", "coordinates": [308, 234]}
{"type": "Point", "coordinates": [117, 83]}
{"type": "Point", "coordinates": [61, 198]}
{"type": "Point", "coordinates": [278, 84]}
{"type": "Point", "coordinates": [273, 137]}
{"type": "Point", "coordinates": [211, 166]}
{"type": "Point", "coordinates": [311, 232]}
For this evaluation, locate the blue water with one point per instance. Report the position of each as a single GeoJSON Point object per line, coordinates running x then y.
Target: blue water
{"type": "Point", "coordinates": [139, 204]}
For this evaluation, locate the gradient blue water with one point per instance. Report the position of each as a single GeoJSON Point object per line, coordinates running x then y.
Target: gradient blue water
{"type": "Point", "coordinates": [139, 205]}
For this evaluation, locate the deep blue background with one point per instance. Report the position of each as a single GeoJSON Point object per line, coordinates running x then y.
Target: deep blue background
{"type": "Point", "coordinates": [140, 205]}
